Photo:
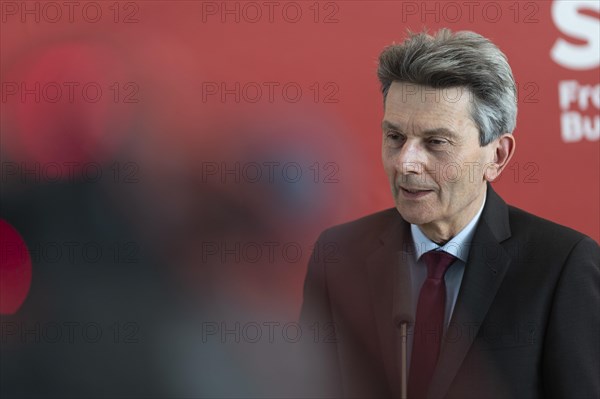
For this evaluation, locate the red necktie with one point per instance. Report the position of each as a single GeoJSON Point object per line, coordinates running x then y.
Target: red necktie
{"type": "Point", "coordinates": [429, 324]}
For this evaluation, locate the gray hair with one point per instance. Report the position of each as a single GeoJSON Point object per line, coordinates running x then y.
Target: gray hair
{"type": "Point", "coordinates": [462, 59]}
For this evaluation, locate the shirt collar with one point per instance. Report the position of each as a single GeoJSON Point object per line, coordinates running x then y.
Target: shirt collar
{"type": "Point", "coordinates": [458, 246]}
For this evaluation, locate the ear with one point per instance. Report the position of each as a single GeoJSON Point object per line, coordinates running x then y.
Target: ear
{"type": "Point", "coordinates": [503, 149]}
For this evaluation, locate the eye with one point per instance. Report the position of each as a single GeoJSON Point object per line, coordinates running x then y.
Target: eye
{"type": "Point", "coordinates": [394, 139]}
{"type": "Point", "coordinates": [394, 136]}
{"type": "Point", "coordinates": [437, 141]}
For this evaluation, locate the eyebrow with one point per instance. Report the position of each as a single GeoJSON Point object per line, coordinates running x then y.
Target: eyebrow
{"type": "Point", "coordinates": [442, 131]}
{"type": "Point", "coordinates": [389, 125]}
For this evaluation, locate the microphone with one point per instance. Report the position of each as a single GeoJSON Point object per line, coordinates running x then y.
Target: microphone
{"type": "Point", "coordinates": [403, 315]}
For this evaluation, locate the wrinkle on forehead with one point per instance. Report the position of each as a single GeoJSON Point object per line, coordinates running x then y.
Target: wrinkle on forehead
{"type": "Point", "coordinates": [418, 109]}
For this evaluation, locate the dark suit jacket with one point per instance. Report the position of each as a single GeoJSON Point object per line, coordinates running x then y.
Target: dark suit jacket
{"type": "Point", "coordinates": [526, 323]}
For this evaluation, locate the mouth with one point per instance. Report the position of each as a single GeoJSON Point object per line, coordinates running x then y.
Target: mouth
{"type": "Point", "coordinates": [414, 193]}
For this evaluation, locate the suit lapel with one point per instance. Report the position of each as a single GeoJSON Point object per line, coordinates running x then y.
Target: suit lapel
{"type": "Point", "coordinates": [382, 268]}
{"type": "Point", "coordinates": [484, 272]}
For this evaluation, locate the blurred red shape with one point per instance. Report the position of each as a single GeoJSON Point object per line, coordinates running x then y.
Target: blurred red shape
{"type": "Point", "coordinates": [70, 103]}
{"type": "Point", "coordinates": [15, 269]}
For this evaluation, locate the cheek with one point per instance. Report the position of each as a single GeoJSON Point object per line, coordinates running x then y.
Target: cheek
{"type": "Point", "coordinates": [388, 163]}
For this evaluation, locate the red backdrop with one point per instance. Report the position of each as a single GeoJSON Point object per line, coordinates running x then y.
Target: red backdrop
{"type": "Point", "coordinates": [179, 53]}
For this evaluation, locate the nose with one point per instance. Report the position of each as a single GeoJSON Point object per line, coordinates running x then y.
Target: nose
{"type": "Point", "coordinates": [411, 158]}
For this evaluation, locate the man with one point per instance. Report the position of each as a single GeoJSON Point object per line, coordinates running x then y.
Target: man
{"type": "Point", "coordinates": [500, 303]}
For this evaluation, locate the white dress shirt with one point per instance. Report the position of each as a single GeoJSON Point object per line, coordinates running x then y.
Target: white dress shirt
{"type": "Point", "coordinates": [457, 246]}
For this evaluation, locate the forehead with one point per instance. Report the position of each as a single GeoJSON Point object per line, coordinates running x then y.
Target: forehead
{"type": "Point", "coordinates": [425, 107]}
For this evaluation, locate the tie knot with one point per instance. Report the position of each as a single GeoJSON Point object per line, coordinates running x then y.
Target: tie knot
{"type": "Point", "coordinates": [437, 263]}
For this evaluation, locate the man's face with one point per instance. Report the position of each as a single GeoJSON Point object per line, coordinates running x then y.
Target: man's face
{"type": "Point", "coordinates": [432, 156]}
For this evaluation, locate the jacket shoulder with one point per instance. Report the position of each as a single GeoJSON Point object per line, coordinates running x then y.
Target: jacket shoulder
{"type": "Point", "coordinates": [535, 229]}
